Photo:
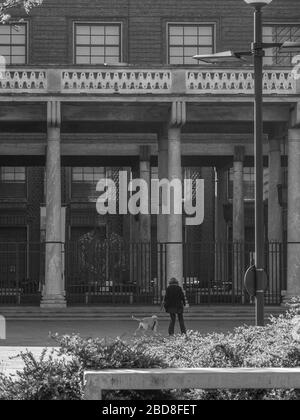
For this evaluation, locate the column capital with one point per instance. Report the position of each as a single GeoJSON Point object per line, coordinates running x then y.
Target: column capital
{"type": "Point", "coordinates": [54, 114]}
{"type": "Point", "coordinates": [178, 114]}
{"type": "Point", "coordinates": [239, 154]}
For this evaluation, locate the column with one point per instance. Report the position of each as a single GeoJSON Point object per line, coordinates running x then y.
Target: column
{"type": "Point", "coordinates": [145, 174]}
{"type": "Point", "coordinates": [175, 221]}
{"type": "Point", "coordinates": [238, 220]}
{"type": "Point", "coordinates": [275, 228]}
{"type": "Point", "coordinates": [162, 219]}
{"type": "Point", "coordinates": [275, 217]}
{"type": "Point", "coordinates": [145, 221]}
{"type": "Point", "coordinates": [293, 279]}
{"type": "Point", "coordinates": [53, 293]}
{"type": "Point", "coordinates": [221, 240]}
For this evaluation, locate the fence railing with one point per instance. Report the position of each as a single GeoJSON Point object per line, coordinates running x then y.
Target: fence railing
{"type": "Point", "coordinates": [100, 272]}
{"type": "Point", "coordinates": [136, 81]}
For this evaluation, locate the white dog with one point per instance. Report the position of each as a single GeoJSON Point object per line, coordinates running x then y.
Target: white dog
{"type": "Point", "coordinates": [147, 324]}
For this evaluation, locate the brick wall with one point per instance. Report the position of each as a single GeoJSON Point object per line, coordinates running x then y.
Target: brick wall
{"type": "Point", "coordinates": [144, 25]}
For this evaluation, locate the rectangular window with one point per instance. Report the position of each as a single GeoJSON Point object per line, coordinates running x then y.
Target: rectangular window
{"type": "Point", "coordinates": [13, 175]}
{"type": "Point", "coordinates": [97, 43]}
{"type": "Point", "coordinates": [85, 180]}
{"type": "Point", "coordinates": [280, 33]}
{"type": "Point", "coordinates": [88, 175]}
{"type": "Point", "coordinates": [13, 43]}
{"type": "Point", "coordinates": [187, 40]}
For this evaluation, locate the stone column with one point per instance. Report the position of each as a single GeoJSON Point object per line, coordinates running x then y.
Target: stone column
{"type": "Point", "coordinates": [145, 221]}
{"type": "Point", "coordinates": [145, 174]}
{"type": "Point", "coordinates": [293, 280]}
{"type": "Point", "coordinates": [163, 173]}
{"type": "Point", "coordinates": [53, 293]}
{"type": "Point", "coordinates": [175, 221]}
{"type": "Point", "coordinates": [238, 220]}
{"type": "Point", "coordinates": [275, 216]}
{"type": "Point", "coordinates": [221, 245]}
{"type": "Point", "coordinates": [275, 228]}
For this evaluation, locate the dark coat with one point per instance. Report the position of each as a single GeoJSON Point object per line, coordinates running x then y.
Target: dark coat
{"type": "Point", "coordinates": [174, 300]}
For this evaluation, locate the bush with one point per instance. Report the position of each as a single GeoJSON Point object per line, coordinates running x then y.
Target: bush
{"type": "Point", "coordinates": [61, 378]}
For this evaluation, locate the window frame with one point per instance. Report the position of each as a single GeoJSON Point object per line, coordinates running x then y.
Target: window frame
{"type": "Point", "coordinates": [213, 25]}
{"type": "Point", "coordinates": [13, 181]}
{"type": "Point", "coordinates": [97, 23]}
{"type": "Point", "coordinates": [280, 23]}
{"type": "Point", "coordinates": [24, 23]}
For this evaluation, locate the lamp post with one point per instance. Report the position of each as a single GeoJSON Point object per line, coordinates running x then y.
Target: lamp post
{"type": "Point", "coordinates": [257, 274]}
{"type": "Point", "coordinates": [259, 53]}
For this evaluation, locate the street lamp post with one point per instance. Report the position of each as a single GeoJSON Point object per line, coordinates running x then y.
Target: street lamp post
{"type": "Point", "coordinates": [258, 52]}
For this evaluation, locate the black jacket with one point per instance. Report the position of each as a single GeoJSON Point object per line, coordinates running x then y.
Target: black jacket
{"type": "Point", "coordinates": [174, 300]}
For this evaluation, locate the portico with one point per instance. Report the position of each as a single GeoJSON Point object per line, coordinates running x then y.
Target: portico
{"type": "Point", "coordinates": [164, 119]}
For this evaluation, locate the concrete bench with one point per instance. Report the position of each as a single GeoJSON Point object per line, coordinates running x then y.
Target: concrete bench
{"type": "Point", "coordinates": [12, 292]}
{"type": "Point", "coordinates": [141, 379]}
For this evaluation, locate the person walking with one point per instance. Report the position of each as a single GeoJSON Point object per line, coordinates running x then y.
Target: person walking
{"type": "Point", "coordinates": [174, 304]}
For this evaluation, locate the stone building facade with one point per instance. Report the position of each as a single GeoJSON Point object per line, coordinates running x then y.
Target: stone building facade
{"type": "Point", "coordinates": [92, 88]}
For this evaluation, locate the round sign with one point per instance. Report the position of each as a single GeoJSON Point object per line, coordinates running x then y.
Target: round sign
{"type": "Point", "coordinates": [250, 281]}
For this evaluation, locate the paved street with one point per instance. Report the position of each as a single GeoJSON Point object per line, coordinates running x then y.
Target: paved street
{"type": "Point", "coordinates": [34, 335]}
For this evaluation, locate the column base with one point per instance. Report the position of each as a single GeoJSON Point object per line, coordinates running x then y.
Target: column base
{"type": "Point", "coordinates": [53, 302]}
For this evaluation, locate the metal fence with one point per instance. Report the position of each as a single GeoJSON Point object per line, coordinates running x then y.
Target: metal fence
{"type": "Point", "coordinates": [99, 272]}
{"type": "Point", "coordinates": [21, 273]}
{"type": "Point", "coordinates": [135, 273]}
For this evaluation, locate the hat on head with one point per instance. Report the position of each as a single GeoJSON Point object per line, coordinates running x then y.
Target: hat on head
{"type": "Point", "coordinates": [173, 281]}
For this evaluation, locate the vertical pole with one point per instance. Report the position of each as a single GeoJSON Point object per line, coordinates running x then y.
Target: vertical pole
{"type": "Point", "coordinates": [162, 219]}
{"type": "Point", "coordinates": [238, 221]}
{"type": "Point", "coordinates": [53, 293]}
{"type": "Point", "coordinates": [145, 219]}
{"type": "Point", "coordinates": [175, 222]}
{"type": "Point", "coordinates": [259, 209]}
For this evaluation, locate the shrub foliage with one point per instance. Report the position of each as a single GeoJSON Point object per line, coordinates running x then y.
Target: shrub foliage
{"type": "Point", "coordinates": [58, 375]}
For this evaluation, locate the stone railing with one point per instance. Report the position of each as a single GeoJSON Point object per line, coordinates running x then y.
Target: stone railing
{"type": "Point", "coordinates": [24, 81]}
{"type": "Point", "coordinates": [239, 82]}
{"type": "Point", "coordinates": [124, 81]}
{"type": "Point", "coordinates": [130, 81]}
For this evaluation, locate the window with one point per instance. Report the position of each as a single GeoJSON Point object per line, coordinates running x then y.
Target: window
{"type": "Point", "coordinates": [88, 175]}
{"type": "Point", "coordinates": [98, 43]}
{"type": "Point", "coordinates": [13, 175]}
{"type": "Point", "coordinates": [13, 41]}
{"type": "Point", "coordinates": [280, 33]}
{"type": "Point", "coordinates": [85, 180]}
{"type": "Point", "coordinates": [185, 41]}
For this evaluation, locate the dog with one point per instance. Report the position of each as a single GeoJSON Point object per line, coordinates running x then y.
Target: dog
{"type": "Point", "coordinates": [147, 324]}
